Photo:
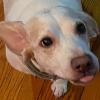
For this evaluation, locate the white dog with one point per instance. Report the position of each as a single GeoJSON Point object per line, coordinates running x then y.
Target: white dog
{"type": "Point", "coordinates": [55, 34]}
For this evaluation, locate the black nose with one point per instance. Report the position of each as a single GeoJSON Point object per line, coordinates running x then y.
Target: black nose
{"type": "Point", "coordinates": [81, 64]}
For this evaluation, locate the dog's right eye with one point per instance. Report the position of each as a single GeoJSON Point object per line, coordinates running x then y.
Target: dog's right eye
{"type": "Point", "coordinates": [80, 28]}
{"type": "Point", "coordinates": [46, 42]}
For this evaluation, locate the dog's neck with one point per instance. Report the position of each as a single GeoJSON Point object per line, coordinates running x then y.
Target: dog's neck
{"type": "Point", "coordinates": [25, 8]}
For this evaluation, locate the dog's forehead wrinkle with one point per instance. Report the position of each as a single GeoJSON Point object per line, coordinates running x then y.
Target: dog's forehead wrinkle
{"type": "Point", "coordinates": [52, 23]}
{"type": "Point", "coordinates": [45, 25]}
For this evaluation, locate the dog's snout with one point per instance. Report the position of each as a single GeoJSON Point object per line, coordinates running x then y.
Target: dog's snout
{"type": "Point", "coordinates": [81, 64]}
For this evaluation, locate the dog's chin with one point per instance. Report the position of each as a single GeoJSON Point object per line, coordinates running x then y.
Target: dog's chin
{"type": "Point", "coordinates": [83, 80]}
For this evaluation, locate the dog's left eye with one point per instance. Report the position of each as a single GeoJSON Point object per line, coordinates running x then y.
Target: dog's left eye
{"type": "Point", "coordinates": [80, 28]}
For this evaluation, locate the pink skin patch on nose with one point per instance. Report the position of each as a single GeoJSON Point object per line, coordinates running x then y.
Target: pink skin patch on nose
{"type": "Point", "coordinates": [86, 79]}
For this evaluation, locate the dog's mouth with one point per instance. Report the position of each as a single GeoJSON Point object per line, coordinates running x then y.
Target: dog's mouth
{"type": "Point", "coordinates": [86, 79]}
{"type": "Point", "coordinates": [83, 80]}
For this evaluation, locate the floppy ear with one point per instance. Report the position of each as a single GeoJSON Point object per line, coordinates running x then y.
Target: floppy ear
{"type": "Point", "coordinates": [14, 36]}
{"type": "Point", "coordinates": [91, 25]}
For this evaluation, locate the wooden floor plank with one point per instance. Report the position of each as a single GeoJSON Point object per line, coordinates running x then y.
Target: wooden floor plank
{"type": "Point", "coordinates": [13, 84]}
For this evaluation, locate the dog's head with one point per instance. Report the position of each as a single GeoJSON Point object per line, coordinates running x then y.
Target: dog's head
{"type": "Point", "coordinates": [60, 42]}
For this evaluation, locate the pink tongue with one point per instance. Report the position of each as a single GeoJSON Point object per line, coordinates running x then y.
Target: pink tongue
{"type": "Point", "coordinates": [87, 78]}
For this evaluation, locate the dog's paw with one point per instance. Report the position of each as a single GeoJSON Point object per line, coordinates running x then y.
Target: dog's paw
{"type": "Point", "coordinates": [59, 87]}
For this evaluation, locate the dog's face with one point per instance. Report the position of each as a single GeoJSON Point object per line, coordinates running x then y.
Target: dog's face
{"type": "Point", "coordinates": [60, 44]}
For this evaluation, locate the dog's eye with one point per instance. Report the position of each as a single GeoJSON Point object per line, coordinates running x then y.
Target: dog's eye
{"type": "Point", "coordinates": [80, 28]}
{"type": "Point", "coordinates": [46, 42]}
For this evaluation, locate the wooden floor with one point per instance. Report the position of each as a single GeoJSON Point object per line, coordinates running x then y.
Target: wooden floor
{"type": "Point", "coordinates": [15, 85]}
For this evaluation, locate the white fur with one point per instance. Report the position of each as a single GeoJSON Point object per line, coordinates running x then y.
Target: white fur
{"type": "Point", "coordinates": [24, 9]}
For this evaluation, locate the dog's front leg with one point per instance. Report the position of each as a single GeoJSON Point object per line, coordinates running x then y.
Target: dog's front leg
{"type": "Point", "coordinates": [59, 87]}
